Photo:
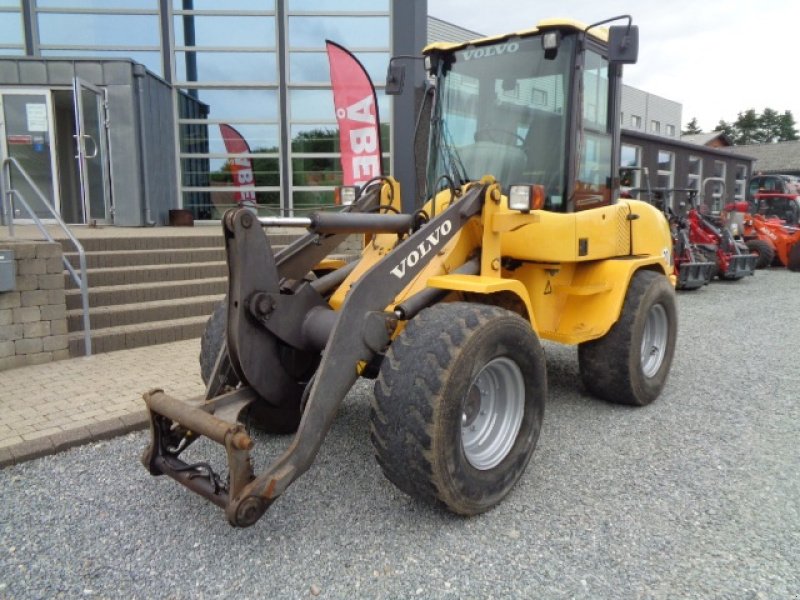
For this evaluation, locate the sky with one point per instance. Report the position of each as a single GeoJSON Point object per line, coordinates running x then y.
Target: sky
{"type": "Point", "coordinates": [716, 57]}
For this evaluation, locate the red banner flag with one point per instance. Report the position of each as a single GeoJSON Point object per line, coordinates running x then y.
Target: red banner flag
{"type": "Point", "coordinates": [357, 115]}
{"type": "Point", "coordinates": [241, 167]}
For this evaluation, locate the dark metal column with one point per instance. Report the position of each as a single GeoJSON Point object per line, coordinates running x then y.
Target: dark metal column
{"type": "Point", "coordinates": [31, 28]}
{"type": "Point", "coordinates": [166, 47]}
{"type": "Point", "coordinates": [409, 36]}
{"type": "Point", "coordinates": [283, 114]}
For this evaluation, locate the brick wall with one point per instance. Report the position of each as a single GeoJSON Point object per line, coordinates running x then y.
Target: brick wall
{"type": "Point", "coordinates": [33, 316]}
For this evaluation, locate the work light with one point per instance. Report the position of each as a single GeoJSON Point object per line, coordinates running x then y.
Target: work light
{"type": "Point", "coordinates": [525, 198]}
{"type": "Point", "coordinates": [345, 195]}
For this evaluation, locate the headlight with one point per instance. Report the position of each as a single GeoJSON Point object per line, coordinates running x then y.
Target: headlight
{"type": "Point", "coordinates": [525, 198]}
{"type": "Point", "coordinates": [345, 195]}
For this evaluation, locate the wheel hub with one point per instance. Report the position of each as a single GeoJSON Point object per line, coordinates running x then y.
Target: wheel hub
{"type": "Point", "coordinates": [654, 340]}
{"type": "Point", "coordinates": [492, 413]}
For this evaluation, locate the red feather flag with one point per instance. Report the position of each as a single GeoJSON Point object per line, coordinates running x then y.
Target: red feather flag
{"type": "Point", "coordinates": [241, 167]}
{"type": "Point", "coordinates": [357, 115]}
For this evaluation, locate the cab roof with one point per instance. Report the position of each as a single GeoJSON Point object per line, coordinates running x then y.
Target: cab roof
{"type": "Point", "coordinates": [600, 33]}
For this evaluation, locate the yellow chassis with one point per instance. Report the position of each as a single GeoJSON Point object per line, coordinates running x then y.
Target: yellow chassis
{"type": "Point", "coordinates": [568, 273]}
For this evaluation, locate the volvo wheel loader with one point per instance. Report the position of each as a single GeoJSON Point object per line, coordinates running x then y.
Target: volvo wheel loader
{"type": "Point", "coordinates": [521, 237]}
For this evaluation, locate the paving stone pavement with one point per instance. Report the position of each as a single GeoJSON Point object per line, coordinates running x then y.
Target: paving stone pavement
{"type": "Point", "coordinates": [47, 408]}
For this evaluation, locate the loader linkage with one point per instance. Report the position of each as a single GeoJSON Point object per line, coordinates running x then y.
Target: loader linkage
{"type": "Point", "coordinates": [261, 316]}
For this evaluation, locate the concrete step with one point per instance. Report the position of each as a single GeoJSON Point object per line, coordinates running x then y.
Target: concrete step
{"type": "Point", "coordinates": [103, 317]}
{"type": "Point", "coordinates": [154, 240]}
{"type": "Point", "coordinates": [135, 336]}
{"type": "Point", "coordinates": [150, 273]}
{"type": "Point", "coordinates": [147, 292]}
{"type": "Point", "coordinates": [149, 242]}
{"type": "Point", "coordinates": [133, 258]}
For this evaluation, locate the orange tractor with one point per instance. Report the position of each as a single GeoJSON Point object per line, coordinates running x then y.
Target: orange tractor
{"type": "Point", "coordinates": [773, 240]}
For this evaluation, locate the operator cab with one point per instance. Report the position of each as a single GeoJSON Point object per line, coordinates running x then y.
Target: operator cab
{"type": "Point", "coordinates": [519, 106]}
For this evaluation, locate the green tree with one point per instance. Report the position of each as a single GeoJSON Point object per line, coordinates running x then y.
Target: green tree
{"type": "Point", "coordinates": [767, 127]}
{"type": "Point", "coordinates": [726, 128]}
{"type": "Point", "coordinates": [692, 127]}
{"type": "Point", "coordinates": [747, 128]}
{"type": "Point", "coordinates": [787, 129]}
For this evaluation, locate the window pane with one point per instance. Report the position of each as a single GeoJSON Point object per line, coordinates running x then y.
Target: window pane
{"type": "Point", "coordinates": [315, 138]}
{"type": "Point", "coordinates": [207, 139]}
{"type": "Point", "coordinates": [309, 139]}
{"type": "Point", "coordinates": [113, 4]}
{"type": "Point", "coordinates": [339, 5]}
{"type": "Point", "coordinates": [664, 181]}
{"type": "Point", "coordinates": [351, 32]}
{"type": "Point", "coordinates": [225, 31]}
{"type": "Point", "coordinates": [241, 104]}
{"type": "Point", "coordinates": [665, 160]}
{"type": "Point", "coordinates": [228, 66]}
{"type": "Point", "coordinates": [316, 171]}
{"type": "Point", "coordinates": [11, 28]}
{"type": "Point", "coordinates": [228, 5]}
{"type": "Point", "coordinates": [694, 165]}
{"type": "Point", "coordinates": [311, 105]}
{"type": "Point", "coordinates": [213, 204]}
{"type": "Point", "coordinates": [629, 156]}
{"type": "Point", "coordinates": [317, 105]}
{"type": "Point", "coordinates": [595, 92]}
{"type": "Point", "coordinates": [216, 172]}
{"type": "Point", "coordinates": [304, 201]}
{"type": "Point", "coordinates": [313, 66]}
{"type": "Point", "coordinates": [99, 30]}
{"type": "Point", "coordinates": [151, 60]}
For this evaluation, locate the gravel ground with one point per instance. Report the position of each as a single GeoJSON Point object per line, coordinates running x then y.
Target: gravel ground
{"type": "Point", "coordinates": [695, 496]}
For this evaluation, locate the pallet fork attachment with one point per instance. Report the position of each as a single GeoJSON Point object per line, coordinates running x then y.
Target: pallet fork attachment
{"type": "Point", "coordinates": [259, 318]}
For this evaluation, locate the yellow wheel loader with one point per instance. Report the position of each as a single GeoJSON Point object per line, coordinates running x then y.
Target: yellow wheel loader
{"type": "Point", "coordinates": [522, 237]}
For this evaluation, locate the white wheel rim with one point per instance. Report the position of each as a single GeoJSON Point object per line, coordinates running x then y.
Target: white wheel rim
{"type": "Point", "coordinates": [654, 340]}
{"type": "Point", "coordinates": [492, 413]}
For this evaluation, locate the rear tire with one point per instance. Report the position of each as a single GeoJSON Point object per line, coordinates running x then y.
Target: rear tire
{"type": "Point", "coordinates": [793, 264]}
{"type": "Point", "coordinates": [458, 405]}
{"type": "Point", "coordinates": [765, 253]}
{"type": "Point", "coordinates": [630, 364]}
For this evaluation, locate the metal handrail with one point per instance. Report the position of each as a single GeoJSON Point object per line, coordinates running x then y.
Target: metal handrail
{"type": "Point", "coordinates": [7, 210]}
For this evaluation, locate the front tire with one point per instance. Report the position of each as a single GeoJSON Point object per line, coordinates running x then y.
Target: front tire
{"type": "Point", "coordinates": [765, 253]}
{"type": "Point", "coordinates": [630, 364]}
{"type": "Point", "coordinates": [458, 405]}
{"type": "Point", "coordinates": [793, 264]}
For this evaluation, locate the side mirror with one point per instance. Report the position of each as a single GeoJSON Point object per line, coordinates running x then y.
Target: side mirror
{"type": "Point", "coordinates": [395, 79]}
{"type": "Point", "coordinates": [623, 44]}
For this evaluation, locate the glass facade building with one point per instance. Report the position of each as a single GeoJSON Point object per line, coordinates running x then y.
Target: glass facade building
{"type": "Point", "coordinates": [256, 66]}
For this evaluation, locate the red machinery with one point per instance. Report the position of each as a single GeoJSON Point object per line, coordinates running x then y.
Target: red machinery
{"type": "Point", "coordinates": [716, 240]}
{"type": "Point", "coordinates": [782, 240]}
{"type": "Point", "coordinates": [692, 269]}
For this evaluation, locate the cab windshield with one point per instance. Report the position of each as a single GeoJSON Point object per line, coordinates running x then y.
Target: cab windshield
{"type": "Point", "coordinates": [502, 109]}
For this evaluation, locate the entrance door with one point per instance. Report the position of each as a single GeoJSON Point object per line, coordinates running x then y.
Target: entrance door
{"type": "Point", "coordinates": [91, 125]}
{"type": "Point", "coordinates": [26, 118]}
